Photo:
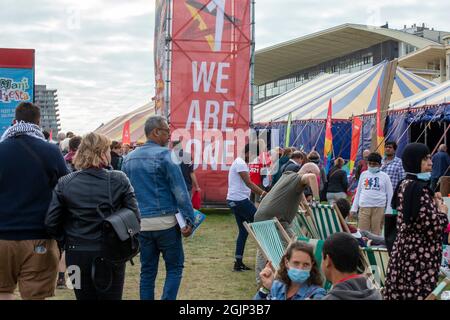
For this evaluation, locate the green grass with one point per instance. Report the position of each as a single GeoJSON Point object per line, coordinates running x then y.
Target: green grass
{"type": "Point", "coordinates": [209, 258]}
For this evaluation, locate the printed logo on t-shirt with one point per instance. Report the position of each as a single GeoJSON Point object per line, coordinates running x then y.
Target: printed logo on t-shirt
{"type": "Point", "coordinates": [372, 184]}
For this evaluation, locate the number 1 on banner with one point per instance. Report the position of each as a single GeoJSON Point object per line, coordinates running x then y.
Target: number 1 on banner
{"type": "Point", "coordinates": [220, 15]}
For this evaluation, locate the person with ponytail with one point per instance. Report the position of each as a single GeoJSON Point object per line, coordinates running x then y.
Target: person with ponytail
{"type": "Point", "coordinates": [413, 269]}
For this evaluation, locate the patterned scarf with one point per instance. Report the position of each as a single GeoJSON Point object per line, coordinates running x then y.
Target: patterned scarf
{"type": "Point", "coordinates": [23, 128]}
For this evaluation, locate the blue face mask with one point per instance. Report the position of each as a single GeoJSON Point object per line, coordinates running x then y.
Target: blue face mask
{"type": "Point", "coordinates": [298, 275]}
{"type": "Point", "coordinates": [374, 169]}
{"type": "Point", "coordinates": [425, 176]}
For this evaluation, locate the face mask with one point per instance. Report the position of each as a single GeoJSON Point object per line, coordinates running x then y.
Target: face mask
{"type": "Point", "coordinates": [374, 169]}
{"type": "Point", "coordinates": [298, 275]}
{"type": "Point", "coordinates": [425, 176]}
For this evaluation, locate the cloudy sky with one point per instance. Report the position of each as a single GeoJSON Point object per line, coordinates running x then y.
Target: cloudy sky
{"type": "Point", "coordinates": [99, 53]}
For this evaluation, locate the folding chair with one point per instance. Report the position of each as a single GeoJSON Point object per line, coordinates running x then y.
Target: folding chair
{"type": "Point", "coordinates": [297, 228]}
{"type": "Point", "coordinates": [377, 259]}
{"type": "Point", "coordinates": [438, 291]}
{"type": "Point", "coordinates": [307, 225]}
{"type": "Point", "coordinates": [328, 220]}
{"type": "Point", "coordinates": [269, 236]}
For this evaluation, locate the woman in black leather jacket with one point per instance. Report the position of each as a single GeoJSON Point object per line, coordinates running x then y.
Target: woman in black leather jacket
{"type": "Point", "coordinates": [72, 218]}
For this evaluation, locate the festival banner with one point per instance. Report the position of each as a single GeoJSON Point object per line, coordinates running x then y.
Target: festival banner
{"type": "Point", "coordinates": [328, 149]}
{"type": "Point", "coordinates": [16, 86]}
{"type": "Point", "coordinates": [356, 133]}
{"type": "Point", "coordinates": [210, 84]}
{"type": "Point", "coordinates": [160, 55]}
{"type": "Point", "coordinates": [380, 134]}
{"type": "Point", "coordinates": [288, 131]}
{"type": "Point", "coordinates": [126, 137]}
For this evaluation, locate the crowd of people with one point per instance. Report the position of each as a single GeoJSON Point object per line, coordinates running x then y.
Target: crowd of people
{"type": "Point", "coordinates": [64, 191]}
{"type": "Point", "coordinates": [389, 190]}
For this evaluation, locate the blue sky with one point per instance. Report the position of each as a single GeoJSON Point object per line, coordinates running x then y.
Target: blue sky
{"type": "Point", "coordinates": [99, 53]}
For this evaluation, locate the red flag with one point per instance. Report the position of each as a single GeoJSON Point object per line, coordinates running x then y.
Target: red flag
{"type": "Point", "coordinates": [356, 131]}
{"type": "Point", "coordinates": [50, 138]}
{"type": "Point", "coordinates": [126, 139]}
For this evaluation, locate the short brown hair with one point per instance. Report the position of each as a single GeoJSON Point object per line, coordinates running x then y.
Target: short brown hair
{"type": "Point", "coordinates": [115, 145]}
{"type": "Point", "coordinates": [74, 143]}
{"type": "Point", "coordinates": [90, 151]}
{"type": "Point", "coordinates": [28, 112]}
{"type": "Point", "coordinates": [314, 277]}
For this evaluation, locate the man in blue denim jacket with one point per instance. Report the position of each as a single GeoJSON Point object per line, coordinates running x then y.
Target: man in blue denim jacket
{"type": "Point", "coordinates": [161, 193]}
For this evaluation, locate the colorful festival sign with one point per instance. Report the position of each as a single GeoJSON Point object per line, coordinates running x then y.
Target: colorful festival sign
{"type": "Point", "coordinates": [160, 56]}
{"type": "Point", "coordinates": [16, 82]}
{"type": "Point", "coordinates": [210, 82]}
{"type": "Point", "coordinates": [126, 137]}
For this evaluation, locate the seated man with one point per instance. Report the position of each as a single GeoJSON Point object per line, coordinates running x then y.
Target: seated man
{"type": "Point", "coordinates": [284, 199]}
{"type": "Point", "coordinates": [364, 237]}
{"type": "Point", "coordinates": [341, 257]}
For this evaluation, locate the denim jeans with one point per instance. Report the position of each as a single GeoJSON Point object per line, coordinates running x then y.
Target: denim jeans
{"type": "Point", "coordinates": [244, 211]}
{"type": "Point", "coordinates": [153, 243]}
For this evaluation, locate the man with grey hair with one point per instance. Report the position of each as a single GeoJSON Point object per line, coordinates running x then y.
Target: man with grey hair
{"type": "Point", "coordinates": [161, 194]}
{"type": "Point", "coordinates": [441, 164]}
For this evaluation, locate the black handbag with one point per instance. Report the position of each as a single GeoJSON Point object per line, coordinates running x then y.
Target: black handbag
{"type": "Point", "coordinates": [120, 230]}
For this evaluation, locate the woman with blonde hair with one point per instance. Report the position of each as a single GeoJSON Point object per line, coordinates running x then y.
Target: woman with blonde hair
{"type": "Point", "coordinates": [74, 220]}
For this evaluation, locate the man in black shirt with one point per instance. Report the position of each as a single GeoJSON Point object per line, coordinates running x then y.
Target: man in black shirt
{"type": "Point", "coordinates": [186, 166]}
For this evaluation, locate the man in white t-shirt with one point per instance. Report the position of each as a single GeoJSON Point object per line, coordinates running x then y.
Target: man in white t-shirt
{"type": "Point", "coordinates": [373, 196]}
{"type": "Point", "coordinates": [239, 189]}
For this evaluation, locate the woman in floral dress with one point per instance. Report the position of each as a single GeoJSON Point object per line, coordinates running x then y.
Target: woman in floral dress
{"type": "Point", "coordinates": [413, 268]}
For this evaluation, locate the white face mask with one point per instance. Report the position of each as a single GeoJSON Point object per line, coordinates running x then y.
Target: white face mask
{"type": "Point", "coordinates": [374, 169]}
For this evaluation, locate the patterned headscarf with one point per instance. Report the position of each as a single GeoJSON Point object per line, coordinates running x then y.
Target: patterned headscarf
{"type": "Point", "coordinates": [23, 128]}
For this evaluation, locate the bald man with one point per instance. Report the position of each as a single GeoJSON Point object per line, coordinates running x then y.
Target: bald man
{"type": "Point", "coordinates": [283, 201]}
{"type": "Point", "coordinates": [441, 164]}
{"type": "Point", "coordinates": [362, 164]}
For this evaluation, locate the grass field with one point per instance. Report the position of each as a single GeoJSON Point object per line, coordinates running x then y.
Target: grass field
{"type": "Point", "coordinates": [209, 258]}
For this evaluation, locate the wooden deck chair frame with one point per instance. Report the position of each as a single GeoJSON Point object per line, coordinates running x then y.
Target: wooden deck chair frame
{"type": "Point", "coordinates": [438, 290]}
{"type": "Point", "coordinates": [284, 234]}
{"type": "Point", "coordinates": [341, 220]}
{"type": "Point", "coordinates": [367, 270]}
{"type": "Point", "coordinates": [381, 262]}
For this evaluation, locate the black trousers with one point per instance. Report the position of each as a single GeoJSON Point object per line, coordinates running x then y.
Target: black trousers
{"type": "Point", "coordinates": [105, 273]}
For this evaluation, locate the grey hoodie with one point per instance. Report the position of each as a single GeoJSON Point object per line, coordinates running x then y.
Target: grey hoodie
{"type": "Point", "coordinates": [353, 289]}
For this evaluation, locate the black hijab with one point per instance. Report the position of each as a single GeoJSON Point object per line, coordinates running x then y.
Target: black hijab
{"type": "Point", "coordinates": [412, 158]}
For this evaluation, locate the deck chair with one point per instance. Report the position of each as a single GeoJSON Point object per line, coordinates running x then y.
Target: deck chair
{"type": "Point", "coordinates": [328, 220]}
{"type": "Point", "coordinates": [438, 291]}
{"type": "Point", "coordinates": [297, 228]}
{"type": "Point", "coordinates": [377, 259]}
{"type": "Point", "coordinates": [307, 225]}
{"type": "Point", "coordinates": [269, 236]}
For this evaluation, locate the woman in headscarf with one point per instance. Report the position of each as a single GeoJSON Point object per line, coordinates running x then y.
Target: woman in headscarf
{"type": "Point", "coordinates": [413, 268]}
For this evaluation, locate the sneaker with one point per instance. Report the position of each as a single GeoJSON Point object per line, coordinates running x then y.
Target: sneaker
{"type": "Point", "coordinates": [61, 284]}
{"type": "Point", "coordinates": [238, 267]}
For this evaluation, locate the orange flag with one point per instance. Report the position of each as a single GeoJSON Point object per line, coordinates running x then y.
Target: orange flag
{"type": "Point", "coordinates": [126, 138]}
{"type": "Point", "coordinates": [380, 134]}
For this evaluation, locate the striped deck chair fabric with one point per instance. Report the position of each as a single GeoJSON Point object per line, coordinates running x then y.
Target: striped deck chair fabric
{"type": "Point", "coordinates": [307, 225]}
{"type": "Point", "coordinates": [297, 228]}
{"type": "Point", "coordinates": [328, 220]}
{"type": "Point", "coordinates": [268, 235]}
{"type": "Point", "coordinates": [438, 291]}
{"type": "Point", "coordinates": [378, 259]}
